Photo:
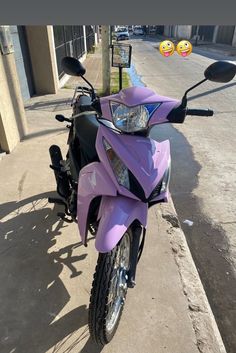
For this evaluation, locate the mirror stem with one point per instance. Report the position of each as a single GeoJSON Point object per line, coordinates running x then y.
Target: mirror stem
{"type": "Point", "coordinates": [184, 99]}
{"type": "Point", "coordinates": [93, 93]}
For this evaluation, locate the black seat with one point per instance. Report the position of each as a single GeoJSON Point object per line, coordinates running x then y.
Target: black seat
{"type": "Point", "coordinates": [83, 100]}
{"type": "Point", "coordinates": [85, 130]}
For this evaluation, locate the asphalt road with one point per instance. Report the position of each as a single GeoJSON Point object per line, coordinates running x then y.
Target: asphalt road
{"type": "Point", "coordinates": [203, 183]}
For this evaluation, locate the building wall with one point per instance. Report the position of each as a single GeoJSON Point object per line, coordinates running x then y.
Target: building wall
{"type": "Point", "coordinates": [13, 125]}
{"type": "Point", "coordinates": [183, 31]}
{"type": "Point", "coordinates": [14, 78]}
{"type": "Point", "coordinates": [215, 34]}
{"type": "Point", "coordinates": [178, 31]}
{"type": "Point", "coordinates": [225, 34]}
{"type": "Point", "coordinates": [167, 30]}
{"type": "Point", "coordinates": [74, 41]}
{"type": "Point", "coordinates": [42, 55]}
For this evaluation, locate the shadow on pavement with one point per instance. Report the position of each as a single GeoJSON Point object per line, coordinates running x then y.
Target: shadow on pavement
{"type": "Point", "coordinates": [44, 132]}
{"type": "Point", "coordinates": [50, 105]}
{"type": "Point", "coordinates": [31, 292]}
{"type": "Point", "coordinates": [211, 91]}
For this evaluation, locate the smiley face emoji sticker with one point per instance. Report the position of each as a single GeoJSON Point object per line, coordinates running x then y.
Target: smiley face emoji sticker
{"type": "Point", "coordinates": [184, 48]}
{"type": "Point", "coordinates": [167, 48]}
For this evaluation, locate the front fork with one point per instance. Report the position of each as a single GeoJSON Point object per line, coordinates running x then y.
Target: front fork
{"type": "Point", "coordinates": [136, 252]}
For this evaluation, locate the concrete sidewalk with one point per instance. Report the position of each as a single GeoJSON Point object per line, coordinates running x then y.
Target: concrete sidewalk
{"type": "Point", "coordinates": [93, 65]}
{"type": "Point", "coordinates": [46, 273]}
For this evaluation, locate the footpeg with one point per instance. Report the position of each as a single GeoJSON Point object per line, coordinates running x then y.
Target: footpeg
{"type": "Point", "coordinates": [61, 118]}
{"type": "Point", "coordinates": [64, 218]}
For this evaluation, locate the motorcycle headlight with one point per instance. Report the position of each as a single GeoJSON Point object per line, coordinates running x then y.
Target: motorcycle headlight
{"type": "Point", "coordinates": [119, 169]}
{"type": "Point", "coordinates": [129, 119]}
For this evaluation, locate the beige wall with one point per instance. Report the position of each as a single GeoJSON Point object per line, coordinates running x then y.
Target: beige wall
{"type": "Point", "coordinates": [42, 53]}
{"type": "Point", "coordinates": [183, 31]}
{"type": "Point", "coordinates": [13, 124]}
{"type": "Point", "coordinates": [178, 31]}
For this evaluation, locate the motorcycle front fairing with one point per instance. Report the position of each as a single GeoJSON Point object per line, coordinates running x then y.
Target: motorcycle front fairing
{"type": "Point", "coordinates": [146, 159]}
{"type": "Point", "coordinates": [134, 96]}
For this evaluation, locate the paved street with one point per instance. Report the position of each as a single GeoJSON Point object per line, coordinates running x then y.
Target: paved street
{"type": "Point", "coordinates": [203, 170]}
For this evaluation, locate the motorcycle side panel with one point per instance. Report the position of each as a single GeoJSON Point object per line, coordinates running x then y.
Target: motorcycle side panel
{"type": "Point", "coordinates": [116, 215]}
{"type": "Point", "coordinates": [93, 181]}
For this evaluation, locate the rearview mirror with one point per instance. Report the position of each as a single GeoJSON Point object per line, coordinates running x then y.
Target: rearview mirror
{"type": "Point", "coordinates": [220, 71]}
{"type": "Point", "coordinates": [72, 66]}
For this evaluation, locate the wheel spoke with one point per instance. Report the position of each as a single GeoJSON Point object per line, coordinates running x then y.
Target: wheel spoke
{"type": "Point", "coordinates": [118, 286]}
{"type": "Point", "coordinates": [109, 290]}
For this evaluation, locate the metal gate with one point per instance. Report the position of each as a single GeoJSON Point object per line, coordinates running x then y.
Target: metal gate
{"type": "Point", "coordinates": [206, 33]}
{"type": "Point", "coordinates": [225, 34]}
{"type": "Point", "coordinates": [69, 41]}
{"type": "Point", "coordinates": [23, 62]}
{"type": "Point", "coordinates": [90, 38]}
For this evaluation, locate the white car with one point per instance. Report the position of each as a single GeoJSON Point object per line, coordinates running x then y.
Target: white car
{"type": "Point", "coordinates": [122, 33]}
{"type": "Point", "coordinates": [138, 31]}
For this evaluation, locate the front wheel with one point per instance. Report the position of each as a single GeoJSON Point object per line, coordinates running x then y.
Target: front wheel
{"type": "Point", "coordinates": [109, 290]}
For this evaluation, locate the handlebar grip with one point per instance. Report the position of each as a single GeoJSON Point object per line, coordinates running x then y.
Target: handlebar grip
{"type": "Point", "coordinates": [200, 112]}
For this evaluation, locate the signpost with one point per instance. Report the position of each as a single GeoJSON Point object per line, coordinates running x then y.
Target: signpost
{"type": "Point", "coordinates": [121, 58]}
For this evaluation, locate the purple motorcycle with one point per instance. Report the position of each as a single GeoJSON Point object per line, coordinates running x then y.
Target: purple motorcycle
{"type": "Point", "coordinates": [112, 174]}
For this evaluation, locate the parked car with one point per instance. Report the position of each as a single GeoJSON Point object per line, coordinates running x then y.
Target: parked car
{"type": "Point", "coordinates": [122, 33]}
{"type": "Point", "coordinates": [152, 29]}
{"type": "Point", "coordinates": [130, 29]}
{"type": "Point", "coordinates": [138, 30]}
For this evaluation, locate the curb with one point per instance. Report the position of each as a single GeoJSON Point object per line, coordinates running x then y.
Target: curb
{"type": "Point", "coordinates": [207, 334]}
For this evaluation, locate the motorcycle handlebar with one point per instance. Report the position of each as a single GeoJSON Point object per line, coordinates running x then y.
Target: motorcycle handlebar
{"type": "Point", "coordinates": [94, 106]}
{"type": "Point", "coordinates": [200, 112]}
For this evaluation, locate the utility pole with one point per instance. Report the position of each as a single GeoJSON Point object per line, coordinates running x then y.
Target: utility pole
{"type": "Point", "coordinates": [105, 60]}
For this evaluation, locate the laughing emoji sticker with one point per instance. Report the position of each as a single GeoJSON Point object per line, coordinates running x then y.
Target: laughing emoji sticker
{"type": "Point", "coordinates": [184, 48]}
{"type": "Point", "coordinates": [167, 48]}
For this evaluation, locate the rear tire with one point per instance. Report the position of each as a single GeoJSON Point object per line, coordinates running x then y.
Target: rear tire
{"type": "Point", "coordinates": [109, 290]}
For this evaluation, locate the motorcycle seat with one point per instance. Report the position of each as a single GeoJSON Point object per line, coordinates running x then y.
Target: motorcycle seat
{"type": "Point", "coordinates": [83, 100]}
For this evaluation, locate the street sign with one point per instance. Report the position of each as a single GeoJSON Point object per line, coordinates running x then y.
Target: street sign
{"type": "Point", "coordinates": [121, 58]}
{"type": "Point", "coordinates": [121, 55]}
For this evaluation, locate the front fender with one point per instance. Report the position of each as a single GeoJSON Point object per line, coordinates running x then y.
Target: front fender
{"type": "Point", "coordinates": [93, 181]}
{"type": "Point", "coordinates": [116, 215]}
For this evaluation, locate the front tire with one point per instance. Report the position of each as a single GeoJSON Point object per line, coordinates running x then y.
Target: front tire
{"type": "Point", "coordinates": [109, 290]}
